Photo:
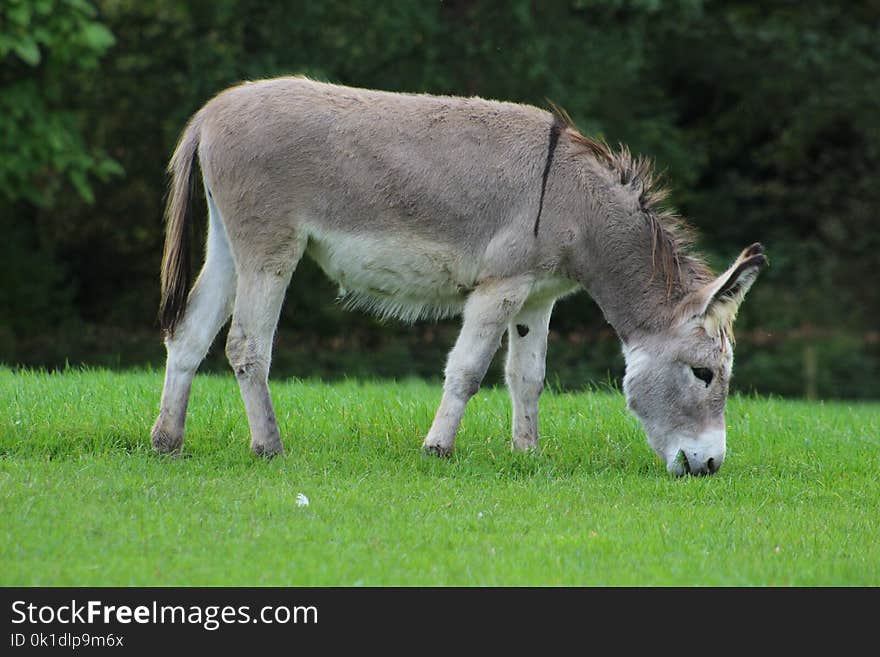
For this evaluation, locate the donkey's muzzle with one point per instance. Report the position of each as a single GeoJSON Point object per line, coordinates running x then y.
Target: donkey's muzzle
{"type": "Point", "coordinates": [687, 467]}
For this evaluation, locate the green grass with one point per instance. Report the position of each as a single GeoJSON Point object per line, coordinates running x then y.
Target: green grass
{"type": "Point", "coordinates": [84, 501]}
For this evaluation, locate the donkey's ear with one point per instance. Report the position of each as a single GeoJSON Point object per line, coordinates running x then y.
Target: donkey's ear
{"type": "Point", "coordinates": [718, 302]}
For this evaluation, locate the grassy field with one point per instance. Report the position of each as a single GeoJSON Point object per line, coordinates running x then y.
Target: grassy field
{"type": "Point", "coordinates": [84, 501]}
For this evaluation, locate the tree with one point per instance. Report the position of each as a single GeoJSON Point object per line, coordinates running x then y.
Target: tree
{"type": "Point", "coordinates": [46, 47]}
{"type": "Point", "coordinates": [763, 118]}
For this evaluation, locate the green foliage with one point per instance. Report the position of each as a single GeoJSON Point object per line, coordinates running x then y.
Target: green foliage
{"type": "Point", "coordinates": [50, 52]}
{"type": "Point", "coordinates": [764, 118]}
{"type": "Point", "coordinates": [46, 46]}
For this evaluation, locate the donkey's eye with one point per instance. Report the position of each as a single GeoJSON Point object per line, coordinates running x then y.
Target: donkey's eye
{"type": "Point", "coordinates": [704, 374]}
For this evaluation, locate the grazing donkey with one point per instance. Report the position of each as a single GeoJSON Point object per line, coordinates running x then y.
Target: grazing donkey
{"type": "Point", "coordinates": [427, 206]}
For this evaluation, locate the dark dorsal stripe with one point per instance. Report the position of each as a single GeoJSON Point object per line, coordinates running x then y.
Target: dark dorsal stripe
{"type": "Point", "coordinates": [555, 129]}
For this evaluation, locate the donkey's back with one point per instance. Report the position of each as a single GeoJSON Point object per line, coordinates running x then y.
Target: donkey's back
{"type": "Point", "coordinates": [442, 168]}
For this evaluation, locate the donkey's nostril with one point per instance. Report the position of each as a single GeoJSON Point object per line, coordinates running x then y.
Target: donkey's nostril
{"type": "Point", "coordinates": [682, 460]}
{"type": "Point", "coordinates": [711, 465]}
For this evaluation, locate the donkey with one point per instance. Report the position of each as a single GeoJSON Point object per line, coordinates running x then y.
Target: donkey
{"type": "Point", "coordinates": [424, 206]}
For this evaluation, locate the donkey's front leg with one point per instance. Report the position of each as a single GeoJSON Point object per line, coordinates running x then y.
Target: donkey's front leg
{"type": "Point", "coordinates": [486, 313]}
{"type": "Point", "coordinates": [526, 358]}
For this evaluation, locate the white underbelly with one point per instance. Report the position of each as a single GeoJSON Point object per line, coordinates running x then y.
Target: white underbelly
{"type": "Point", "coordinates": [407, 278]}
{"type": "Point", "coordinates": [394, 277]}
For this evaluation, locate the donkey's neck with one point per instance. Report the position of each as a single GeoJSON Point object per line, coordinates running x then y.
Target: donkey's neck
{"type": "Point", "coordinates": [620, 269]}
{"type": "Point", "coordinates": [627, 252]}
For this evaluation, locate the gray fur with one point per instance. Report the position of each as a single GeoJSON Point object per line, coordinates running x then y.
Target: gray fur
{"type": "Point", "coordinates": [425, 206]}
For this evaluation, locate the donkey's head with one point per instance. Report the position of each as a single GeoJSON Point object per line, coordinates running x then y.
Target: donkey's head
{"type": "Point", "coordinates": [677, 380]}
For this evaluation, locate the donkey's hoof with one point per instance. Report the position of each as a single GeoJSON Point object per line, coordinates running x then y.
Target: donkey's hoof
{"type": "Point", "coordinates": [437, 450]}
{"type": "Point", "coordinates": [268, 451]}
{"type": "Point", "coordinates": [165, 442]}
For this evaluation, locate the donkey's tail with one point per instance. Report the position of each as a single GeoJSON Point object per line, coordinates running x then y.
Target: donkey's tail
{"type": "Point", "coordinates": [176, 277]}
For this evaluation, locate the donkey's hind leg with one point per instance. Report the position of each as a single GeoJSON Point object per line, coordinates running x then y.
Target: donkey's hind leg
{"type": "Point", "coordinates": [486, 313]}
{"type": "Point", "coordinates": [208, 307]}
{"type": "Point", "coordinates": [526, 364]}
{"type": "Point", "coordinates": [258, 300]}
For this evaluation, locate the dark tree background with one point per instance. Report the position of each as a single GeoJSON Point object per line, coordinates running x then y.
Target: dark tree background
{"type": "Point", "coordinates": [765, 117]}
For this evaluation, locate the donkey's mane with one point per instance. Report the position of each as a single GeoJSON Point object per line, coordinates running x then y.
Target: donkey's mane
{"type": "Point", "coordinates": [672, 238]}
